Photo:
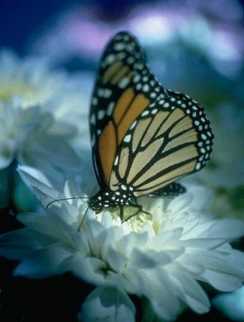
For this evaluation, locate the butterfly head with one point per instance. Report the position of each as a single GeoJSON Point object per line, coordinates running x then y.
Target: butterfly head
{"type": "Point", "coordinates": [110, 199]}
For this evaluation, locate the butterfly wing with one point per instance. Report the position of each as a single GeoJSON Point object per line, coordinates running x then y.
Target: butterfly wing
{"type": "Point", "coordinates": [144, 137]}
{"type": "Point", "coordinates": [171, 190]}
{"type": "Point", "coordinates": [170, 139]}
{"type": "Point", "coordinates": [122, 91]}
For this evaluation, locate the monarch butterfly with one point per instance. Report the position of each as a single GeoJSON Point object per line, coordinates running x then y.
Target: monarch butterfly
{"type": "Point", "coordinates": [143, 136]}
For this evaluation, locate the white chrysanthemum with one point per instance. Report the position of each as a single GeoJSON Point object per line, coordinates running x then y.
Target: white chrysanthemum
{"type": "Point", "coordinates": [38, 106]}
{"type": "Point", "coordinates": [162, 257]}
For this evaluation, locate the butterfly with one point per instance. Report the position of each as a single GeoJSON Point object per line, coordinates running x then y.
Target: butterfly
{"type": "Point", "coordinates": [144, 137]}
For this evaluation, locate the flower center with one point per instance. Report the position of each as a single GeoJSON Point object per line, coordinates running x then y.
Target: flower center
{"type": "Point", "coordinates": [133, 218]}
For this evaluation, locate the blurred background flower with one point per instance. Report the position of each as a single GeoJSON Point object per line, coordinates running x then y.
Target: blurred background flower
{"type": "Point", "coordinates": [41, 113]}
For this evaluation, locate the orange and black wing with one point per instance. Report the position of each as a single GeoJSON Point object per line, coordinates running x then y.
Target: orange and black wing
{"type": "Point", "coordinates": [144, 137]}
{"type": "Point", "coordinates": [170, 139]}
{"type": "Point", "coordinates": [123, 90]}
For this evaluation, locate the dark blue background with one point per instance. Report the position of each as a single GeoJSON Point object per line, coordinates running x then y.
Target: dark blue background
{"type": "Point", "coordinates": [19, 20]}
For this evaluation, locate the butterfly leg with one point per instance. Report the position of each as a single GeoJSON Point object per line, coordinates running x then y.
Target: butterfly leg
{"type": "Point", "coordinates": [124, 217]}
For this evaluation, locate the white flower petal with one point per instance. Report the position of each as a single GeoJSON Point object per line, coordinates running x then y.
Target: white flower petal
{"type": "Point", "coordinates": [162, 257]}
{"type": "Point", "coordinates": [39, 184]}
{"type": "Point", "coordinates": [157, 286]}
{"type": "Point", "coordinates": [212, 260]}
{"type": "Point", "coordinates": [107, 305]}
{"type": "Point", "coordinates": [203, 243]}
{"type": "Point", "coordinates": [116, 260]}
{"type": "Point", "coordinates": [227, 229]}
{"type": "Point", "coordinates": [21, 243]}
{"type": "Point", "coordinates": [150, 259]}
{"type": "Point", "coordinates": [89, 269]}
{"type": "Point", "coordinates": [191, 291]}
{"type": "Point", "coordinates": [221, 281]}
{"type": "Point", "coordinates": [43, 263]}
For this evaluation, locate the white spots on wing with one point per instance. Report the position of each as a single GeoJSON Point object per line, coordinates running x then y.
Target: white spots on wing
{"type": "Point", "coordinates": [101, 114]}
{"type": "Point", "coordinates": [110, 108]}
{"type": "Point", "coordinates": [130, 60]}
{"type": "Point", "coordinates": [126, 37]}
{"type": "Point", "coordinates": [130, 47]}
{"type": "Point", "coordinates": [119, 46]}
{"type": "Point", "coordinates": [138, 86]}
{"type": "Point", "coordinates": [109, 59]}
{"type": "Point", "coordinates": [137, 78]}
{"type": "Point", "coordinates": [154, 111]}
{"type": "Point", "coordinates": [100, 92]}
{"type": "Point", "coordinates": [94, 101]}
{"type": "Point", "coordinates": [145, 88]}
{"type": "Point", "coordinates": [139, 66]}
{"type": "Point", "coordinates": [123, 187]}
{"type": "Point", "coordinates": [198, 166]}
{"type": "Point", "coordinates": [204, 136]}
{"type": "Point", "coordinates": [93, 140]}
{"type": "Point", "coordinates": [133, 125]}
{"type": "Point", "coordinates": [145, 113]}
{"type": "Point", "coordinates": [104, 92]}
{"type": "Point", "coordinates": [153, 95]}
{"type": "Point", "coordinates": [127, 138]}
{"type": "Point", "coordinates": [93, 119]}
{"type": "Point", "coordinates": [124, 82]}
{"type": "Point", "coordinates": [116, 161]}
{"type": "Point", "coordinates": [107, 93]}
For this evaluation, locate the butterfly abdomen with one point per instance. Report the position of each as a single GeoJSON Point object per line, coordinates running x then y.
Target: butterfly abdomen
{"type": "Point", "coordinates": [111, 199]}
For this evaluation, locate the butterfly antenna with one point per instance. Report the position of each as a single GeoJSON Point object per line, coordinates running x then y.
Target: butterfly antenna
{"type": "Point", "coordinates": [69, 198]}
{"type": "Point", "coordinates": [83, 219]}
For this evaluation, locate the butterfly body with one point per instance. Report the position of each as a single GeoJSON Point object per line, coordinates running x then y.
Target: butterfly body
{"type": "Point", "coordinates": [144, 137]}
{"type": "Point", "coordinates": [111, 199]}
